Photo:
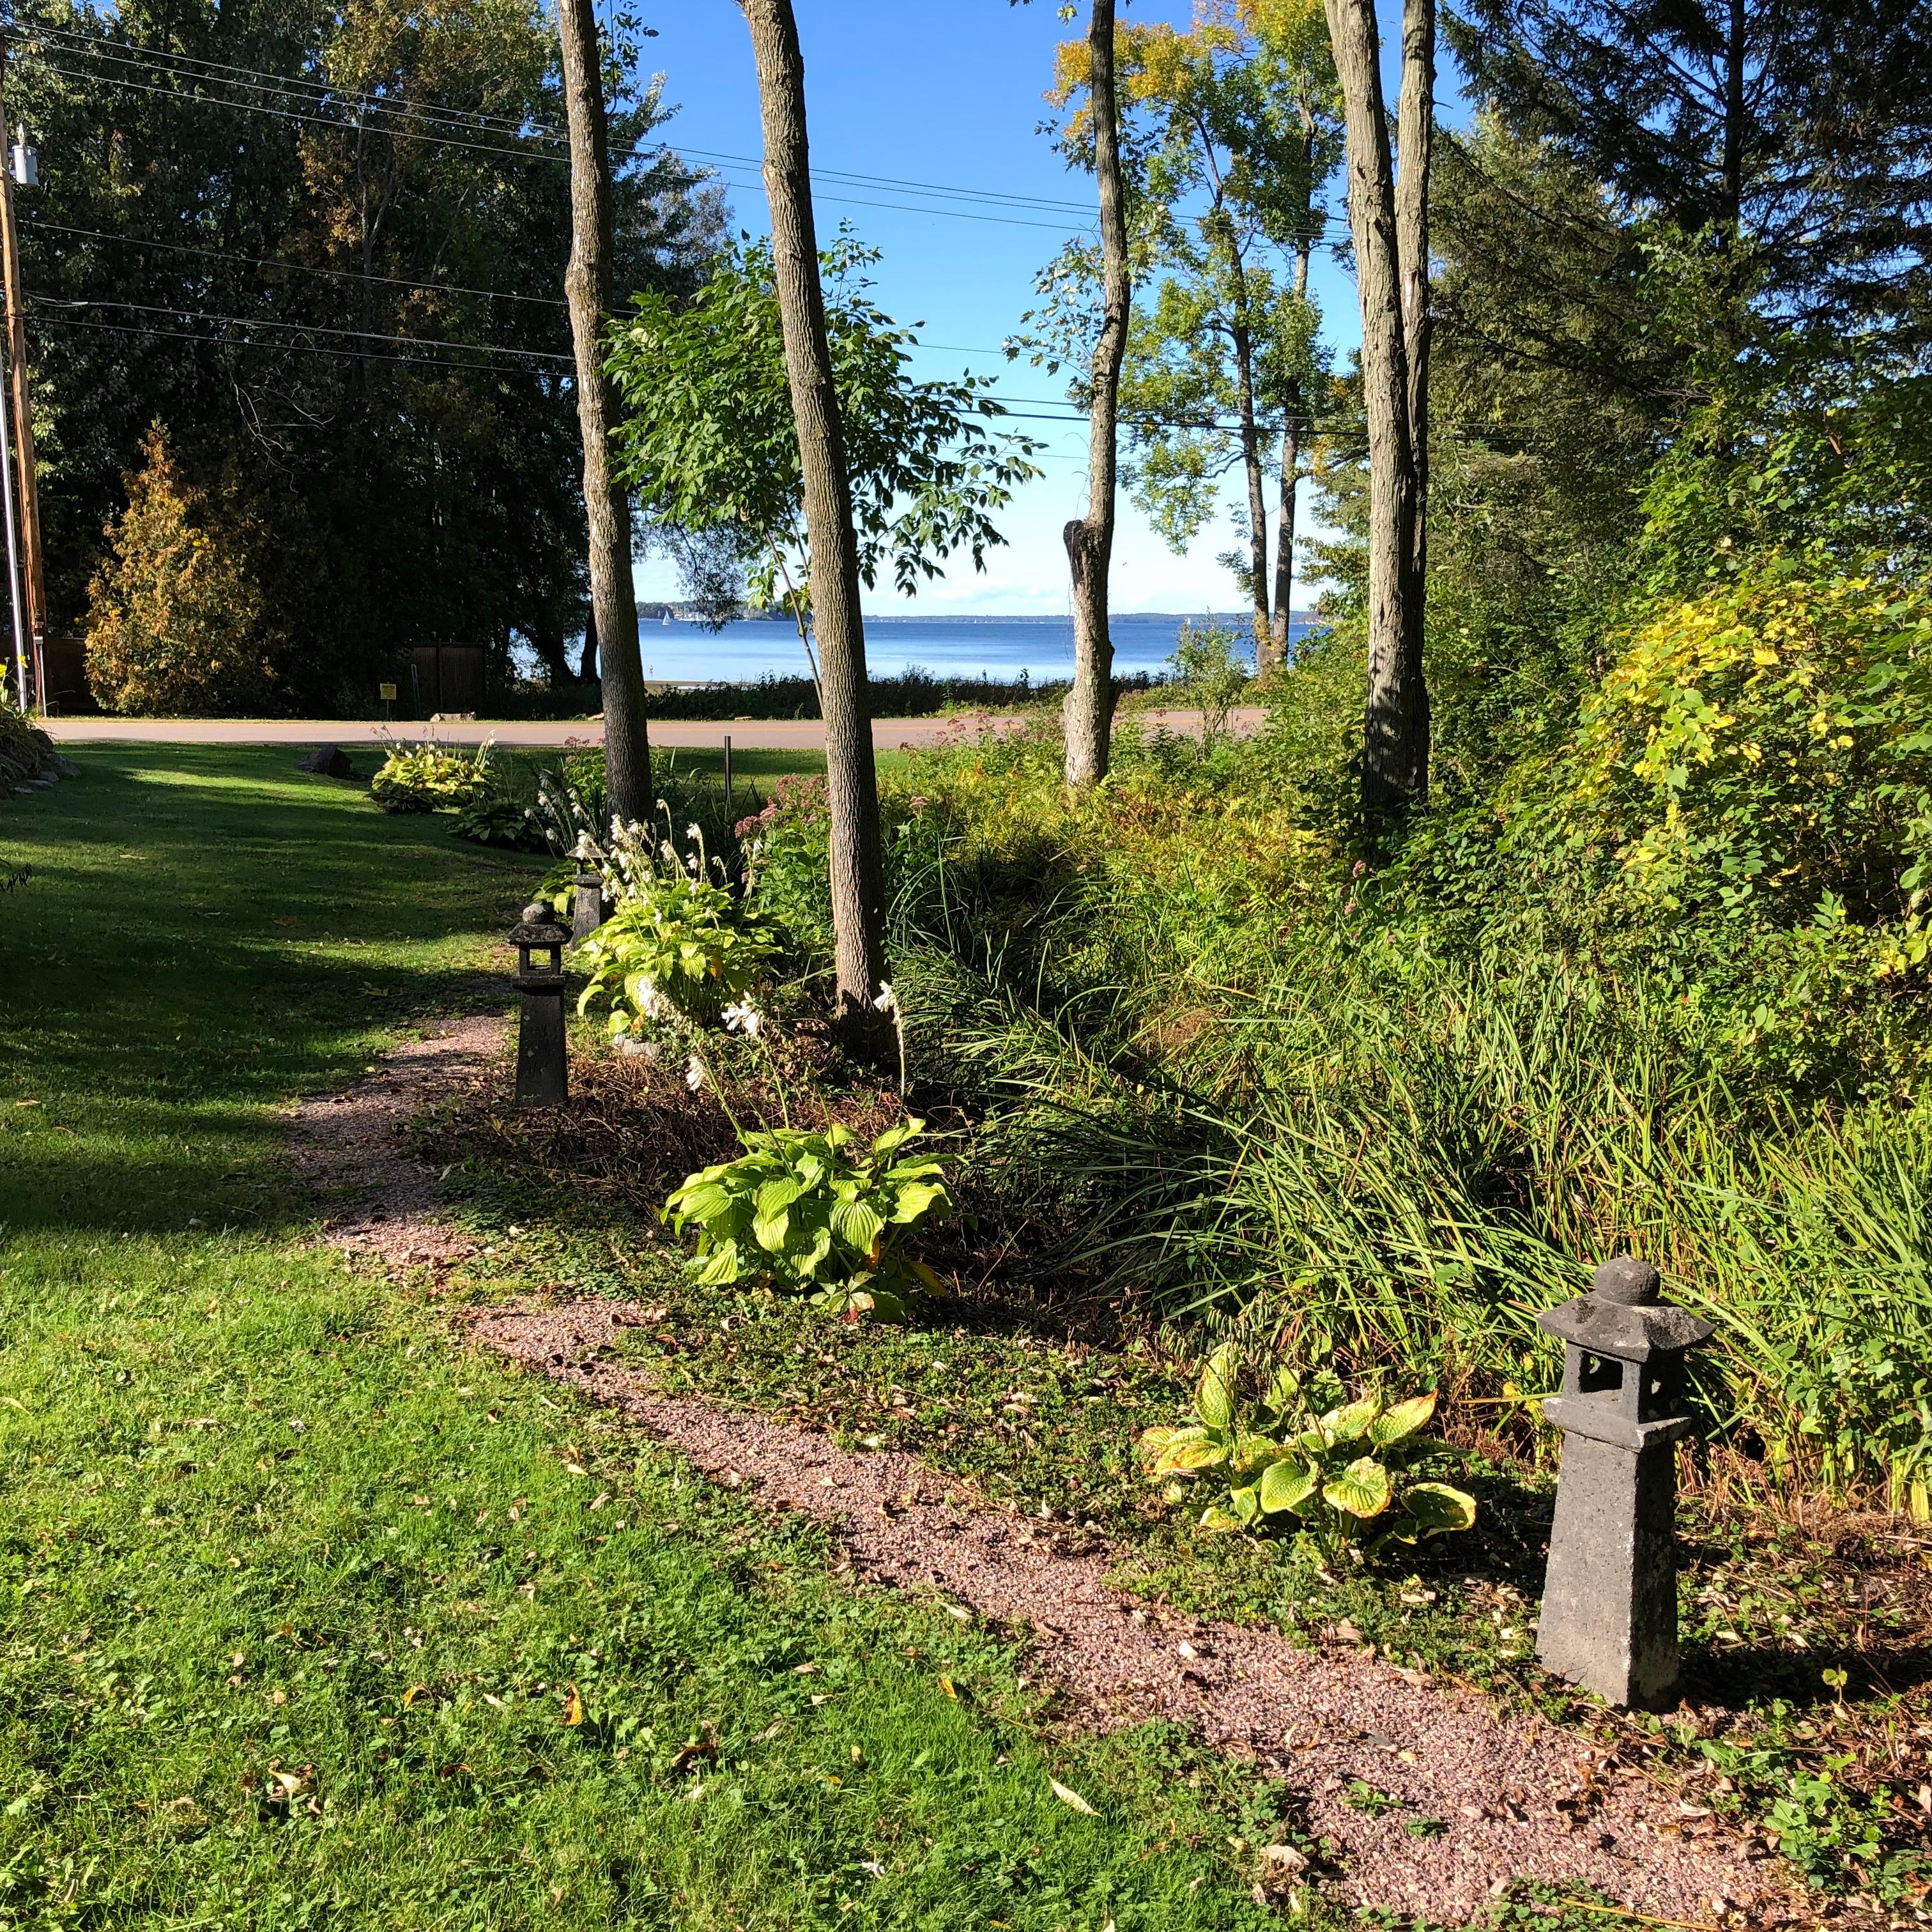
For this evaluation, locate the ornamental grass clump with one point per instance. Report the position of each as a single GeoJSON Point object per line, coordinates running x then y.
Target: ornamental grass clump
{"type": "Point", "coordinates": [812, 1211]}
{"type": "Point", "coordinates": [1342, 1476]}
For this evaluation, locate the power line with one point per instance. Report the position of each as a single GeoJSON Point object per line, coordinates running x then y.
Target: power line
{"type": "Point", "coordinates": [166, 61]}
{"type": "Point", "coordinates": [194, 67]}
{"type": "Point", "coordinates": [298, 268]}
{"type": "Point", "coordinates": [147, 330]}
{"type": "Point", "coordinates": [55, 304]}
{"type": "Point", "coordinates": [895, 181]}
{"type": "Point", "coordinates": [375, 104]}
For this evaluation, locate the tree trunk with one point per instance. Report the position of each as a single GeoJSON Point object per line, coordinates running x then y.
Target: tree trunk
{"type": "Point", "coordinates": [1284, 539]}
{"type": "Point", "coordinates": [858, 879]}
{"type": "Point", "coordinates": [587, 286]}
{"type": "Point", "coordinates": [586, 659]}
{"type": "Point", "coordinates": [1283, 616]}
{"type": "Point", "coordinates": [1393, 716]}
{"type": "Point", "coordinates": [1089, 540]}
{"type": "Point", "coordinates": [1258, 518]}
{"type": "Point", "coordinates": [1415, 137]}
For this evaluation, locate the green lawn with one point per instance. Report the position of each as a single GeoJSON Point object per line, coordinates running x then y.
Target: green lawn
{"type": "Point", "coordinates": [299, 1603]}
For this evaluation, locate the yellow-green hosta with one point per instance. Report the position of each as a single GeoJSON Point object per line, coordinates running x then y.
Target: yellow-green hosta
{"type": "Point", "coordinates": [1341, 1475]}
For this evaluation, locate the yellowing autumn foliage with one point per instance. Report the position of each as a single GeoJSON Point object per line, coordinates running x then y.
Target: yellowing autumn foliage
{"type": "Point", "coordinates": [175, 622]}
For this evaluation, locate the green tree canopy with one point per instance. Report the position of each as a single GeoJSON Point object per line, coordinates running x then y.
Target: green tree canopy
{"type": "Point", "coordinates": [710, 447]}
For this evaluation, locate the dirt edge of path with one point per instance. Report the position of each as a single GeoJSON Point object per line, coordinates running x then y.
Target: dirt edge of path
{"type": "Point", "coordinates": [1436, 1804]}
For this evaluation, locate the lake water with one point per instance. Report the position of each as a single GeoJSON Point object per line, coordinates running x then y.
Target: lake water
{"type": "Point", "coordinates": [1001, 647]}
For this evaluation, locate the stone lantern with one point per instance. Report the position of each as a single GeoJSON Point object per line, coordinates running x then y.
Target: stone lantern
{"type": "Point", "coordinates": [1609, 1602]}
{"type": "Point", "coordinates": [587, 908]}
{"type": "Point", "coordinates": [543, 1068]}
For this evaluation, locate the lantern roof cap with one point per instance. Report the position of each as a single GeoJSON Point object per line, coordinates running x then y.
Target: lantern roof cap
{"type": "Point", "coordinates": [538, 932]}
{"type": "Point", "coordinates": [1623, 1315]}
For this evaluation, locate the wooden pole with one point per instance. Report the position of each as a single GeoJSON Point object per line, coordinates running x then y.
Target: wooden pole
{"type": "Point", "coordinates": [23, 410]}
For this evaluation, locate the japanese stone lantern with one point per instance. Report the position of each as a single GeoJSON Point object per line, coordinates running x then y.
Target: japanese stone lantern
{"type": "Point", "coordinates": [543, 1068]}
{"type": "Point", "coordinates": [587, 908]}
{"type": "Point", "coordinates": [1609, 1601]}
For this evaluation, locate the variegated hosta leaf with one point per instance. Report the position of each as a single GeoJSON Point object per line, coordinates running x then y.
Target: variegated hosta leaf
{"type": "Point", "coordinates": [1350, 1423]}
{"type": "Point", "coordinates": [1196, 1452]}
{"type": "Point", "coordinates": [1214, 1517]}
{"type": "Point", "coordinates": [1152, 1442]}
{"type": "Point", "coordinates": [1438, 1508]}
{"type": "Point", "coordinates": [778, 1193]}
{"type": "Point", "coordinates": [1247, 1506]}
{"type": "Point", "coordinates": [1394, 1424]}
{"type": "Point", "coordinates": [1361, 1490]}
{"type": "Point", "coordinates": [1214, 1400]}
{"type": "Point", "coordinates": [1287, 1485]}
{"type": "Point", "coordinates": [769, 1230]}
{"type": "Point", "coordinates": [1252, 1453]}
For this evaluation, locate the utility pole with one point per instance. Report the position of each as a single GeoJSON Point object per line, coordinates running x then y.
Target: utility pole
{"type": "Point", "coordinates": [23, 408]}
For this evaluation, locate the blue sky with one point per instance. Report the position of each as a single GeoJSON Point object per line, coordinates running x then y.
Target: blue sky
{"type": "Point", "coordinates": [950, 95]}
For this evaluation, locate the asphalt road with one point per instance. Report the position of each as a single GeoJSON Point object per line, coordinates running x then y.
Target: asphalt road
{"type": "Point", "coordinates": [755, 734]}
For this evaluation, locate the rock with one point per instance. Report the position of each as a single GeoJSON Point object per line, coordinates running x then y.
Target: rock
{"type": "Point", "coordinates": [63, 768]}
{"type": "Point", "coordinates": [329, 761]}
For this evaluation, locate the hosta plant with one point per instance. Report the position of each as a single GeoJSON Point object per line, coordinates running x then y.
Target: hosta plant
{"type": "Point", "coordinates": [429, 777]}
{"type": "Point", "coordinates": [819, 1211]}
{"type": "Point", "coordinates": [677, 945]}
{"type": "Point", "coordinates": [1343, 1474]}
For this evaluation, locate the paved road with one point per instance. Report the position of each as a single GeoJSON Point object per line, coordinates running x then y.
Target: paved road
{"type": "Point", "coordinates": [780, 734]}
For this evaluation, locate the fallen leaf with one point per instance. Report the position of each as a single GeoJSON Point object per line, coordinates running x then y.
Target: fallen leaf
{"type": "Point", "coordinates": [1068, 1796]}
{"type": "Point", "coordinates": [946, 1684]}
{"type": "Point", "coordinates": [1283, 1858]}
{"type": "Point", "coordinates": [573, 1707]}
{"type": "Point", "coordinates": [415, 1694]}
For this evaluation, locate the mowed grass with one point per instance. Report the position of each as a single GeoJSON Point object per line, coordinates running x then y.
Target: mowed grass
{"type": "Point", "coordinates": [308, 1619]}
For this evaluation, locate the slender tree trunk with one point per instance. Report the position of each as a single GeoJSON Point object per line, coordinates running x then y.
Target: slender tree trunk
{"type": "Point", "coordinates": [858, 879]}
{"type": "Point", "coordinates": [587, 658]}
{"type": "Point", "coordinates": [1280, 619]}
{"type": "Point", "coordinates": [1415, 139]}
{"type": "Point", "coordinates": [1283, 615]}
{"type": "Point", "coordinates": [1393, 715]}
{"type": "Point", "coordinates": [1089, 540]}
{"type": "Point", "coordinates": [587, 285]}
{"type": "Point", "coordinates": [1258, 517]}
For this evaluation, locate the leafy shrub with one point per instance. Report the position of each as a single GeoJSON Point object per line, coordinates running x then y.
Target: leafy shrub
{"type": "Point", "coordinates": [1761, 748]}
{"type": "Point", "coordinates": [1209, 670]}
{"type": "Point", "coordinates": [429, 777]}
{"type": "Point", "coordinates": [1333, 1473]}
{"type": "Point", "coordinates": [788, 849]}
{"type": "Point", "coordinates": [678, 943]}
{"type": "Point", "coordinates": [799, 1209]}
{"type": "Point", "coordinates": [496, 820]}
{"type": "Point", "coordinates": [174, 626]}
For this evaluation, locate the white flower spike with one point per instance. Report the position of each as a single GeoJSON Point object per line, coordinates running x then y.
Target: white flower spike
{"type": "Point", "coordinates": [887, 1000]}
{"type": "Point", "coordinates": [694, 1073]}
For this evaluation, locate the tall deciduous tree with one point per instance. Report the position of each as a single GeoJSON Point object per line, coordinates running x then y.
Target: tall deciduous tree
{"type": "Point", "coordinates": [1090, 539]}
{"type": "Point", "coordinates": [587, 284]}
{"type": "Point", "coordinates": [1390, 225]}
{"type": "Point", "coordinates": [858, 876]}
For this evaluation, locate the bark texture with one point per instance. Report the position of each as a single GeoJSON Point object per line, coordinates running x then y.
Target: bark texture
{"type": "Point", "coordinates": [1415, 138]}
{"type": "Point", "coordinates": [1396, 723]}
{"type": "Point", "coordinates": [858, 882]}
{"type": "Point", "coordinates": [1275, 660]}
{"type": "Point", "coordinates": [587, 287]}
{"type": "Point", "coordinates": [1090, 539]}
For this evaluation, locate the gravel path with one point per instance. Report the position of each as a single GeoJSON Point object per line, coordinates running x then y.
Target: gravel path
{"type": "Point", "coordinates": [1509, 1799]}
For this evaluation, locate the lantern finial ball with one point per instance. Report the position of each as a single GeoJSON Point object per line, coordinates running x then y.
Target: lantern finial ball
{"type": "Point", "coordinates": [536, 913]}
{"type": "Point", "coordinates": [1627, 1281]}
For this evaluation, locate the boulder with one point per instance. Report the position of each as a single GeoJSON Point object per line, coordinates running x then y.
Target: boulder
{"type": "Point", "coordinates": [329, 761]}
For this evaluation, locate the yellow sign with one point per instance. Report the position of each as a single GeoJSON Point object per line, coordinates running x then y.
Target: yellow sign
{"type": "Point", "coordinates": [387, 692]}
